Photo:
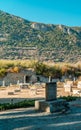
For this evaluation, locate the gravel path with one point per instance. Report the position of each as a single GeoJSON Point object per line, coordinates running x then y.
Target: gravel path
{"type": "Point", "coordinates": [29, 119]}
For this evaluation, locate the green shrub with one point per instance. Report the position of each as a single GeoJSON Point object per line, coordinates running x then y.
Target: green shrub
{"type": "Point", "coordinates": [3, 72]}
{"type": "Point", "coordinates": [39, 68]}
{"type": "Point", "coordinates": [69, 98]}
{"type": "Point", "coordinates": [21, 104]}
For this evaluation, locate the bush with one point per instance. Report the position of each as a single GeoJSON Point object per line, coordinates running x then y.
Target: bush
{"type": "Point", "coordinates": [69, 98]}
{"type": "Point", "coordinates": [15, 69]}
{"type": "Point", "coordinates": [40, 68]}
{"type": "Point", "coordinates": [22, 104]}
{"type": "Point", "coordinates": [3, 72]}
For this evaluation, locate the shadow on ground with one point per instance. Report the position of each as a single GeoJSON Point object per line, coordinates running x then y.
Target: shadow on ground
{"type": "Point", "coordinates": [30, 119]}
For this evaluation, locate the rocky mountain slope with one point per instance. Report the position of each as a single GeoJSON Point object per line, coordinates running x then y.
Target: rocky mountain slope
{"type": "Point", "coordinates": [22, 39]}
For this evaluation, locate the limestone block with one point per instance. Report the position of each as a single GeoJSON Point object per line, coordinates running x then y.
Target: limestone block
{"type": "Point", "coordinates": [51, 106]}
{"type": "Point", "coordinates": [10, 93]}
{"type": "Point", "coordinates": [75, 91]}
{"type": "Point", "coordinates": [67, 87]}
{"type": "Point", "coordinates": [79, 84]}
{"type": "Point", "coordinates": [17, 90]}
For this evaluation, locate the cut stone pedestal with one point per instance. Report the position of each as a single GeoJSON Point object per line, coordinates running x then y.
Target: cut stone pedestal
{"type": "Point", "coordinates": [51, 103]}
{"type": "Point", "coordinates": [58, 105]}
{"type": "Point", "coordinates": [50, 91]}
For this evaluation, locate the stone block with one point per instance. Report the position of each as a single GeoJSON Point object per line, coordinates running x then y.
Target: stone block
{"type": "Point", "coordinates": [76, 91]}
{"type": "Point", "coordinates": [50, 91]}
{"type": "Point", "coordinates": [67, 89]}
{"type": "Point", "coordinates": [51, 106]}
{"type": "Point", "coordinates": [10, 93]}
{"type": "Point", "coordinates": [17, 90]}
{"type": "Point", "coordinates": [79, 84]}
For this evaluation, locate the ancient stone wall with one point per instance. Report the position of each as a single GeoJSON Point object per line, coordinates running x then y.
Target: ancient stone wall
{"type": "Point", "coordinates": [13, 78]}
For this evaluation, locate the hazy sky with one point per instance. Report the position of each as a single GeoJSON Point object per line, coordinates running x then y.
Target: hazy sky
{"type": "Point", "coordinates": [67, 12]}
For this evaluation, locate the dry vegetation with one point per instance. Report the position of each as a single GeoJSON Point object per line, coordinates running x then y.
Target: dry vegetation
{"type": "Point", "coordinates": [56, 70]}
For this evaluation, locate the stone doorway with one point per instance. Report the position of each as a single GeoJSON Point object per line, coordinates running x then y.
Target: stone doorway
{"type": "Point", "coordinates": [26, 79]}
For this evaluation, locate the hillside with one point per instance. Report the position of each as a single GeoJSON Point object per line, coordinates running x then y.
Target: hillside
{"type": "Point", "coordinates": [22, 39]}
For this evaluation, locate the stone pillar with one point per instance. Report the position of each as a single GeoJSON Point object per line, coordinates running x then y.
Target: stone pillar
{"type": "Point", "coordinates": [3, 83]}
{"type": "Point", "coordinates": [18, 82]}
{"type": "Point", "coordinates": [50, 79]}
{"type": "Point", "coordinates": [50, 91]}
{"type": "Point", "coordinates": [24, 79]}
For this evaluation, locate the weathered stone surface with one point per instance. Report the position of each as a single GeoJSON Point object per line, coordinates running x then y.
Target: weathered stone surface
{"type": "Point", "coordinates": [13, 78]}
{"type": "Point", "coordinates": [17, 90]}
{"type": "Point", "coordinates": [51, 106]}
{"type": "Point", "coordinates": [10, 93]}
{"type": "Point", "coordinates": [50, 91]}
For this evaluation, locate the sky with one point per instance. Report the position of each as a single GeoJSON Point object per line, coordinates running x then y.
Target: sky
{"type": "Point", "coordinates": [66, 12]}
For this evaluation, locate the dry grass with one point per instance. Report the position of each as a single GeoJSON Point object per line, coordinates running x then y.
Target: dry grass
{"type": "Point", "coordinates": [23, 63]}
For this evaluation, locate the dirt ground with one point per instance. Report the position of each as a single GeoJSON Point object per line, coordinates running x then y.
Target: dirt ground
{"type": "Point", "coordinates": [34, 92]}
{"type": "Point", "coordinates": [17, 94]}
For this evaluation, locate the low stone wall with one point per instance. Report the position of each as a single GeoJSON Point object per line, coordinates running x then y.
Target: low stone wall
{"type": "Point", "coordinates": [13, 78]}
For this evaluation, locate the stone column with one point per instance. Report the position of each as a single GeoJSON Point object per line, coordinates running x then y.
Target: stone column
{"type": "Point", "coordinates": [18, 82]}
{"type": "Point", "coordinates": [50, 79]}
{"type": "Point", "coordinates": [24, 78]}
{"type": "Point", "coordinates": [3, 83]}
{"type": "Point", "coordinates": [50, 91]}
